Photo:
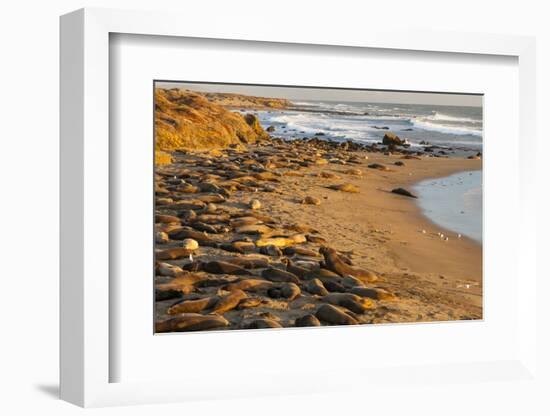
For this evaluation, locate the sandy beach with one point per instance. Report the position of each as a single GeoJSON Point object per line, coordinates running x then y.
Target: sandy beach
{"type": "Point", "coordinates": [420, 277]}
{"type": "Point", "coordinates": [268, 216]}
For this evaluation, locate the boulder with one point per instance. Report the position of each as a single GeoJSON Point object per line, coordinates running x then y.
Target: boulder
{"type": "Point", "coordinates": [391, 139]}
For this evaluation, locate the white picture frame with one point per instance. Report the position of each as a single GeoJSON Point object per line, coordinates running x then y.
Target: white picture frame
{"type": "Point", "coordinates": [85, 165]}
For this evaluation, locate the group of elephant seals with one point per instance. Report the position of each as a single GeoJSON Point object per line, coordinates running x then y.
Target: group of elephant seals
{"type": "Point", "coordinates": [220, 284]}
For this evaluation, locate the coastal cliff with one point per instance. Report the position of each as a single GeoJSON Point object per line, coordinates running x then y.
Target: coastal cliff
{"type": "Point", "coordinates": [189, 120]}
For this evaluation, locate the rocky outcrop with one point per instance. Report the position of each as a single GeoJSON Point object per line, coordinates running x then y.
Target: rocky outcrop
{"type": "Point", "coordinates": [188, 120]}
{"type": "Point", "coordinates": [246, 101]}
{"type": "Point", "coordinates": [391, 139]}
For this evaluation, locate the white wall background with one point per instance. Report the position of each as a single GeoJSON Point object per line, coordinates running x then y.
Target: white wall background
{"type": "Point", "coordinates": [29, 57]}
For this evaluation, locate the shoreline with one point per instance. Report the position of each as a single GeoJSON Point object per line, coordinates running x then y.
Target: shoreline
{"type": "Point", "coordinates": [446, 230]}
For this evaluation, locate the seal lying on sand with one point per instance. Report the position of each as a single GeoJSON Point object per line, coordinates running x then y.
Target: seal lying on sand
{"type": "Point", "coordinates": [307, 320]}
{"type": "Point", "coordinates": [336, 264]}
{"type": "Point", "coordinates": [263, 323]}
{"type": "Point", "coordinates": [289, 291]}
{"type": "Point", "coordinates": [350, 301]}
{"type": "Point", "coordinates": [172, 253]}
{"type": "Point", "coordinates": [191, 322]}
{"type": "Point", "coordinates": [196, 305]}
{"type": "Point", "coordinates": [184, 283]}
{"type": "Point", "coordinates": [251, 285]}
{"type": "Point", "coordinates": [249, 262]}
{"type": "Point", "coordinates": [229, 302]}
{"type": "Point", "coordinates": [315, 287]}
{"type": "Point", "coordinates": [276, 275]}
{"type": "Point", "coordinates": [222, 267]}
{"type": "Point", "coordinates": [335, 315]}
{"type": "Point", "coordinates": [373, 293]}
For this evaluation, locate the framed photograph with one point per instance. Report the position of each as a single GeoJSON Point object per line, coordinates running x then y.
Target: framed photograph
{"type": "Point", "coordinates": [356, 217]}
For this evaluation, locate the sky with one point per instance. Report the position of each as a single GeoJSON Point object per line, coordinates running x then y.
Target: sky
{"type": "Point", "coordinates": [333, 94]}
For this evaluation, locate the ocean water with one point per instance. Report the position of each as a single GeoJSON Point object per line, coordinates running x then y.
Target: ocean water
{"type": "Point", "coordinates": [454, 202]}
{"type": "Point", "coordinates": [448, 126]}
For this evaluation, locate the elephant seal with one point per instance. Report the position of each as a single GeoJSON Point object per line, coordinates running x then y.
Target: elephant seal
{"type": "Point", "coordinates": [276, 275]}
{"type": "Point", "coordinates": [291, 251]}
{"type": "Point", "coordinates": [211, 198]}
{"type": "Point", "coordinates": [335, 315]}
{"type": "Point", "coordinates": [297, 270]}
{"type": "Point", "coordinates": [241, 247]}
{"type": "Point", "coordinates": [222, 267]}
{"type": "Point", "coordinates": [201, 226]}
{"type": "Point", "coordinates": [196, 305]}
{"type": "Point", "coordinates": [307, 320]}
{"type": "Point", "coordinates": [229, 301]}
{"type": "Point", "coordinates": [167, 269]}
{"type": "Point", "coordinates": [315, 239]}
{"type": "Point", "coordinates": [322, 274]}
{"type": "Point", "coordinates": [282, 241]}
{"type": "Point", "coordinates": [187, 205]}
{"type": "Point", "coordinates": [350, 281]}
{"type": "Point", "coordinates": [213, 218]}
{"type": "Point", "coordinates": [336, 264]}
{"type": "Point", "coordinates": [172, 253]}
{"type": "Point", "coordinates": [249, 263]}
{"type": "Point", "coordinates": [191, 322]}
{"type": "Point", "coordinates": [244, 221]}
{"type": "Point", "coordinates": [349, 301]}
{"type": "Point", "coordinates": [251, 285]}
{"type": "Point", "coordinates": [187, 232]}
{"type": "Point", "coordinates": [187, 215]}
{"type": "Point", "coordinates": [316, 287]}
{"type": "Point", "coordinates": [271, 250]}
{"type": "Point", "coordinates": [167, 219]}
{"type": "Point", "coordinates": [288, 291]}
{"type": "Point", "coordinates": [332, 285]}
{"type": "Point", "coordinates": [184, 283]}
{"type": "Point", "coordinates": [214, 281]}
{"type": "Point", "coordinates": [263, 323]}
{"type": "Point", "coordinates": [249, 303]}
{"type": "Point", "coordinates": [254, 229]}
{"type": "Point", "coordinates": [373, 293]}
